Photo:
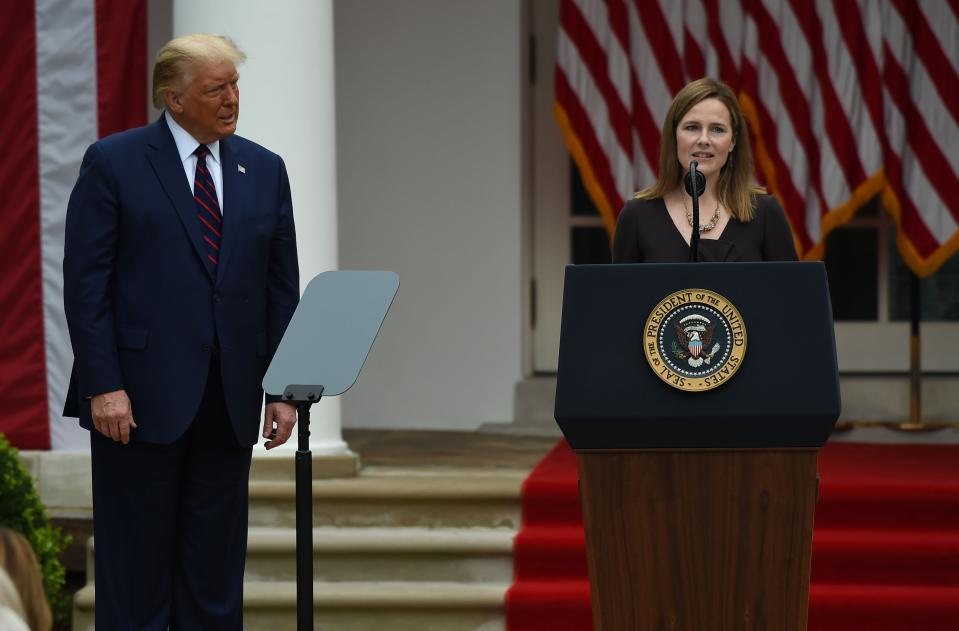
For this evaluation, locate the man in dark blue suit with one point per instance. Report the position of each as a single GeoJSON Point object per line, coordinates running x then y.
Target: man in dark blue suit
{"type": "Point", "coordinates": [180, 277]}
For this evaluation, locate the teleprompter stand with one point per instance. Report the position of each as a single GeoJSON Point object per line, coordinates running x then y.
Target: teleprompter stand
{"type": "Point", "coordinates": [321, 353]}
{"type": "Point", "coordinates": [304, 397]}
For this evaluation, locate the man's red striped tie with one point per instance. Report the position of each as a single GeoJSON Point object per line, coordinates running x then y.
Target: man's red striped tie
{"type": "Point", "coordinates": [207, 207]}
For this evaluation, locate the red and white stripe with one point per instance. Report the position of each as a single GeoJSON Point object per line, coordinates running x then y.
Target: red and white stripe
{"type": "Point", "coordinates": [845, 99]}
{"type": "Point", "coordinates": [78, 68]}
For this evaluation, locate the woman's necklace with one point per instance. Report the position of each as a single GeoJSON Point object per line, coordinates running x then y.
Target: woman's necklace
{"type": "Point", "coordinates": [703, 227]}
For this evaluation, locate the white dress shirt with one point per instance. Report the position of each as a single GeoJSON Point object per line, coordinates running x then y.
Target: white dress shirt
{"type": "Point", "coordinates": [186, 145]}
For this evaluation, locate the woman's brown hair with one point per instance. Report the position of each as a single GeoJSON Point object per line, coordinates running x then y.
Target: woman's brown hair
{"type": "Point", "coordinates": [737, 187]}
{"type": "Point", "coordinates": [20, 562]}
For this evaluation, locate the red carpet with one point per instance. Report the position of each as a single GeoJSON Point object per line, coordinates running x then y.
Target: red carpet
{"type": "Point", "coordinates": [885, 543]}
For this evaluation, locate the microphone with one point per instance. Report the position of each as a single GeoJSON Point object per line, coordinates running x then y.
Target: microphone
{"type": "Point", "coordinates": [695, 184]}
{"type": "Point", "coordinates": [700, 181]}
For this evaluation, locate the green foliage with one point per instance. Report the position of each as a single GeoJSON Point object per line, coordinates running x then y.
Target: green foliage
{"type": "Point", "coordinates": [21, 510]}
{"type": "Point", "coordinates": [678, 353]}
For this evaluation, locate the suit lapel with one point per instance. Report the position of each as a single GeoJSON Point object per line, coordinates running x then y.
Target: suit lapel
{"type": "Point", "coordinates": [165, 160]}
{"type": "Point", "coordinates": [237, 191]}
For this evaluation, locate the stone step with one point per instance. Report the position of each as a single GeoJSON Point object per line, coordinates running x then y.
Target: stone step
{"type": "Point", "coordinates": [270, 465]}
{"type": "Point", "coordinates": [358, 606]}
{"type": "Point", "coordinates": [467, 555]}
{"type": "Point", "coordinates": [395, 497]}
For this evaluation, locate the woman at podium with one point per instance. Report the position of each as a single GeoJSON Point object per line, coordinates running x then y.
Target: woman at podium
{"type": "Point", "coordinates": [737, 222]}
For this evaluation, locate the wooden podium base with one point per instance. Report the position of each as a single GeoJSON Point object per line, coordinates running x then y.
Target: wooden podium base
{"type": "Point", "coordinates": [699, 540]}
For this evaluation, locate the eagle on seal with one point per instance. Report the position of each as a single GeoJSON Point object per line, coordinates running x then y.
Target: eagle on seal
{"type": "Point", "coordinates": [695, 334]}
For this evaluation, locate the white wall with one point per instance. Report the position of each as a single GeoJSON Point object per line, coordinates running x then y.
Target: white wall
{"type": "Point", "coordinates": [428, 114]}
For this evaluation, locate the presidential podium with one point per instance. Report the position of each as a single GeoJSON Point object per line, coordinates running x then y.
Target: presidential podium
{"type": "Point", "coordinates": [696, 397]}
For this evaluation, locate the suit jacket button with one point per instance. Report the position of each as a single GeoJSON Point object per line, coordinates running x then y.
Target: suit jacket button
{"type": "Point", "coordinates": [216, 297]}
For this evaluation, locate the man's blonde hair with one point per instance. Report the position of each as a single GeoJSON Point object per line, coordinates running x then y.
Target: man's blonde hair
{"type": "Point", "coordinates": [170, 70]}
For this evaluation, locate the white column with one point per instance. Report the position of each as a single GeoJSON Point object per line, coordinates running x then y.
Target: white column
{"type": "Point", "coordinates": [287, 105]}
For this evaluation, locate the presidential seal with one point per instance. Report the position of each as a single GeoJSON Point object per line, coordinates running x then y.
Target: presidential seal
{"type": "Point", "coordinates": [695, 340]}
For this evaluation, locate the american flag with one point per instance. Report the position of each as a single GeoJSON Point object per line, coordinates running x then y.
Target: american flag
{"type": "Point", "coordinates": [73, 71]}
{"type": "Point", "coordinates": [845, 100]}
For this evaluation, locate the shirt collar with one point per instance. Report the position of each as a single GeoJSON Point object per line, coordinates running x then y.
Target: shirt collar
{"type": "Point", "coordinates": [187, 144]}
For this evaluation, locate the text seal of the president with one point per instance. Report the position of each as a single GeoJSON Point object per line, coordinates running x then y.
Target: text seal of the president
{"type": "Point", "coordinates": [695, 340]}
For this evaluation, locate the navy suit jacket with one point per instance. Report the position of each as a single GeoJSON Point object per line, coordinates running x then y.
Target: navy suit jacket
{"type": "Point", "coordinates": [143, 309]}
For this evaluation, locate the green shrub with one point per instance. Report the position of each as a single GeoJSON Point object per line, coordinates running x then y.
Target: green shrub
{"type": "Point", "coordinates": [21, 510]}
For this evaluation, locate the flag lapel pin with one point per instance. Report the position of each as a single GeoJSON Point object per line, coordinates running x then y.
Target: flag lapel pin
{"type": "Point", "coordinates": [241, 168]}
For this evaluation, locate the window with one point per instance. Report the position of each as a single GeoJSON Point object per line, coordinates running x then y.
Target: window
{"type": "Point", "coordinates": [869, 281]}
{"type": "Point", "coordinates": [589, 241]}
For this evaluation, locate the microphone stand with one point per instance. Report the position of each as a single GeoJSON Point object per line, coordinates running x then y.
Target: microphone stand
{"type": "Point", "coordinates": [695, 183]}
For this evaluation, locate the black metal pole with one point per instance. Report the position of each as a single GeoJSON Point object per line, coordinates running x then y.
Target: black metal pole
{"type": "Point", "coordinates": [304, 521]}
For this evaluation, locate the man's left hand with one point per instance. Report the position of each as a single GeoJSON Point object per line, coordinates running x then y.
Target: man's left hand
{"type": "Point", "coordinates": [278, 422]}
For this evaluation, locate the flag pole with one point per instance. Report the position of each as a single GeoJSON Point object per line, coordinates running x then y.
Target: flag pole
{"type": "Point", "coordinates": [915, 422]}
{"type": "Point", "coordinates": [915, 370]}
